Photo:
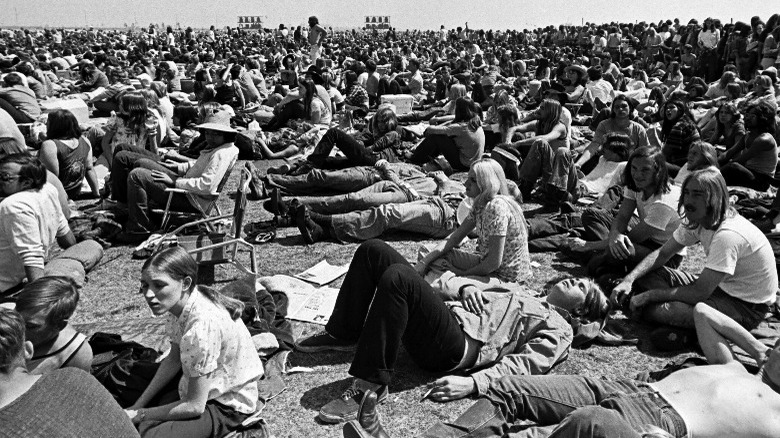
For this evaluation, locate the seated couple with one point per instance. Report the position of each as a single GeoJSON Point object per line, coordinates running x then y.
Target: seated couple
{"type": "Point", "coordinates": [716, 400]}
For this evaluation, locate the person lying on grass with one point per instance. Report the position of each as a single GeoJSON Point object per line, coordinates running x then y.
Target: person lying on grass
{"type": "Point", "coordinates": [716, 400]}
{"type": "Point", "coordinates": [487, 332]}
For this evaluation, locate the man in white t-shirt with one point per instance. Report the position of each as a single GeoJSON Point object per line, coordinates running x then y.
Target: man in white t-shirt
{"type": "Point", "coordinates": [739, 276]}
{"type": "Point", "coordinates": [31, 219]}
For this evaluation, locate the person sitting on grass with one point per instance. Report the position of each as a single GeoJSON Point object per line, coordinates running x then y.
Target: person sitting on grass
{"type": "Point", "coordinates": [46, 305]}
{"type": "Point", "coordinates": [68, 154]}
{"type": "Point", "coordinates": [739, 276]}
{"type": "Point", "coordinates": [64, 403]}
{"type": "Point", "coordinates": [648, 192]}
{"type": "Point", "coordinates": [489, 332]}
{"type": "Point", "coordinates": [460, 142]}
{"type": "Point", "coordinates": [502, 238]}
{"type": "Point", "coordinates": [708, 401]}
{"type": "Point", "coordinates": [32, 221]}
{"type": "Point", "coordinates": [210, 345]}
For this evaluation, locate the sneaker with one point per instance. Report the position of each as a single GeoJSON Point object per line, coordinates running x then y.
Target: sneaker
{"type": "Point", "coordinates": [672, 339]}
{"type": "Point", "coordinates": [345, 408]}
{"type": "Point", "coordinates": [323, 342]}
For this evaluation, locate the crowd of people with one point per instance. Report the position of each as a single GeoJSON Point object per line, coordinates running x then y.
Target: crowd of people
{"type": "Point", "coordinates": [639, 141]}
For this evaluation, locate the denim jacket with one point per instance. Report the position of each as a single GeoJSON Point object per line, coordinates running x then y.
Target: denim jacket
{"type": "Point", "coordinates": [519, 335]}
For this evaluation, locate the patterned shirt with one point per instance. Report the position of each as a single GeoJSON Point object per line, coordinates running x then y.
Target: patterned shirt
{"type": "Point", "coordinates": [358, 96]}
{"type": "Point", "coordinates": [497, 219]}
{"type": "Point", "coordinates": [215, 346]}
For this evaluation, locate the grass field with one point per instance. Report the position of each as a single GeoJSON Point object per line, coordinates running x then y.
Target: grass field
{"type": "Point", "coordinates": [111, 295]}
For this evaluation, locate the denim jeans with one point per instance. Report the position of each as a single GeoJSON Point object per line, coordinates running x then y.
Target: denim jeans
{"type": "Point", "coordinates": [375, 195]}
{"type": "Point", "coordinates": [319, 181]}
{"type": "Point", "coordinates": [75, 261]}
{"type": "Point", "coordinates": [554, 167]}
{"type": "Point", "coordinates": [680, 314]}
{"type": "Point", "coordinates": [383, 303]}
{"type": "Point", "coordinates": [558, 404]}
{"type": "Point", "coordinates": [430, 217]}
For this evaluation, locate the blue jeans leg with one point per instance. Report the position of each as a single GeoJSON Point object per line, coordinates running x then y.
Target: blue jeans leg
{"type": "Point", "coordinates": [325, 181]}
{"type": "Point", "coordinates": [430, 217]}
{"type": "Point", "coordinates": [380, 193]}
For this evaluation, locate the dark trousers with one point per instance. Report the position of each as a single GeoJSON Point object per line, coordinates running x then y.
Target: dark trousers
{"type": "Point", "coordinates": [292, 110]}
{"type": "Point", "coordinates": [143, 190]}
{"type": "Point", "coordinates": [434, 145]}
{"type": "Point", "coordinates": [383, 303]}
{"type": "Point", "coordinates": [217, 420]}
{"type": "Point", "coordinates": [737, 174]}
{"type": "Point", "coordinates": [127, 158]}
{"type": "Point", "coordinates": [357, 154]}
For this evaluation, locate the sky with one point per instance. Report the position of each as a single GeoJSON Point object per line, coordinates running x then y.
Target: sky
{"type": "Point", "coordinates": [404, 14]}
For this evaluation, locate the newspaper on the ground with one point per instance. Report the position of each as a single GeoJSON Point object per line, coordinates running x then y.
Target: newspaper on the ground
{"type": "Point", "coordinates": [322, 273]}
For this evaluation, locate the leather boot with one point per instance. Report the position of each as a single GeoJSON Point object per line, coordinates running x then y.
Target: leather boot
{"type": "Point", "coordinates": [367, 424]}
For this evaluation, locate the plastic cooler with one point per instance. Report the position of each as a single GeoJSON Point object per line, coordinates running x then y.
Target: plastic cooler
{"type": "Point", "coordinates": [77, 106]}
{"type": "Point", "coordinates": [402, 102]}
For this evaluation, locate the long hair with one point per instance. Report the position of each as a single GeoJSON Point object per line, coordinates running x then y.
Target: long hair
{"type": "Point", "coordinates": [765, 116]}
{"type": "Point", "coordinates": [684, 117]}
{"type": "Point", "coordinates": [709, 155]}
{"type": "Point", "coordinates": [469, 112]}
{"type": "Point", "coordinates": [507, 116]}
{"type": "Point", "coordinates": [732, 109]}
{"type": "Point", "coordinates": [62, 125]}
{"type": "Point", "coordinates": [716, 197]}
{"type": "Point", "coordinates": [135, 110]}
{"type": "Point", "coordinates": [551, 110]}
{"type": "Point", "coordinates": [490, 179]}
{"type": "Point", "coordinates": [311, 92]}
{"type": "Point", "coordinates": [177, 263]}
{"type": "Point", "coordinates": [384, 121]}
{"type": "Point", "coordinates": [660, 176]}
{"type": "Point", "coordinates": [54, 297]}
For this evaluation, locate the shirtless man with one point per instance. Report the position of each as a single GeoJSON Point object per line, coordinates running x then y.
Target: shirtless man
{"type": "Point", "coordinates": [317, 35]}
{"type": "Point", "coordinates": [717, 400]}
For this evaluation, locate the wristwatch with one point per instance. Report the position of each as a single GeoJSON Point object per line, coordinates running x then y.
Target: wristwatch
{"type": "Point", "coordinates": [141, 414]}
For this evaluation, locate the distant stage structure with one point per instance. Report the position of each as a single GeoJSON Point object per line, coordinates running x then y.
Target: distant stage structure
{"type": "Point", "coordinates": [250, 21]}
{"type": "Point", "coordinates": [377, 22]}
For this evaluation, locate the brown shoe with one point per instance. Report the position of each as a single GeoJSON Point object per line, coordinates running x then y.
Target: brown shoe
{"type": "Point", "coordinates": [368, 417]}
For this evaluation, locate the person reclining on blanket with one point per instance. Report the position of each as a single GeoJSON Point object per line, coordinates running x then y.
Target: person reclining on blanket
{"type": "Point", "coordinates": [64, 403]}
{"type": "Point", "coordinates": [384, 303]}
{"type": "Point", "coordinates": [32, 219]}
{"type": "Point", "coordinates": [739, 276]}
{"type": "Point", "coordinates": [709, 401]}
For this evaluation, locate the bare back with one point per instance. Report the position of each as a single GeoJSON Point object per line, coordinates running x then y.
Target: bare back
{"type": "Point", "coordinates": [722, 400]}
